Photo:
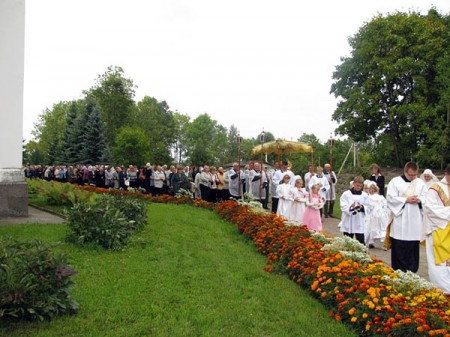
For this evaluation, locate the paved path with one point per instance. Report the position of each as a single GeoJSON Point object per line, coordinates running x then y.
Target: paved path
{"type": "Point", "coordinates": [330, 226]}
{"type": "Point", "coordinates": [34, 216]}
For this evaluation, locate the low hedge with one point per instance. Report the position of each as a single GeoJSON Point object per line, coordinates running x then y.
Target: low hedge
{"type": "Point", "coordinates": [108, 221]}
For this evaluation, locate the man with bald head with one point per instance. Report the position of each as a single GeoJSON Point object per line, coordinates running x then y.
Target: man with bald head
{"type": "Point", "coordinates": [257, 182]}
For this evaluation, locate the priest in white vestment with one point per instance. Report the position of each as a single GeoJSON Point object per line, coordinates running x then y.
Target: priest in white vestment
{"type": "Point", "coordinates": [436, 220]}
{"type": "Point", "coordinates": [406, 196]}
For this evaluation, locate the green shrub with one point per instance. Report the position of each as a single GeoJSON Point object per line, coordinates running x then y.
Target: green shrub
{"type": "Point", "coordinates": [59, 194]}
{"type": "Point", "coordinates": [135, 210]}
{"type": "Point", "coordinates": [34, 283]}
{"type": "Point", "coordinates": [100, 222]}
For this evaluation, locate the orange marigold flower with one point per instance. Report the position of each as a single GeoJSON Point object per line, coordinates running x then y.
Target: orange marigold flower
{"type": "Point", "coordinates": [352, 311]}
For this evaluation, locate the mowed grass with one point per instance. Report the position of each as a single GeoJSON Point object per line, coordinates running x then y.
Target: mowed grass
{"type": "Point", "coordinates": [189, 273]}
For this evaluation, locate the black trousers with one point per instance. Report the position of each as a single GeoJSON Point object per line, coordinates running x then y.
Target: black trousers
{"type": "Point", "coordinates": [206, 192]}
{"type": "Point", "coordinates": [405, 255]}
{"type": "Point", "coordinates": [358, 236]}
{"type": "Point", "coordinates": [274, 204]}
{"type": "Point", "coordinates": [328, 207]}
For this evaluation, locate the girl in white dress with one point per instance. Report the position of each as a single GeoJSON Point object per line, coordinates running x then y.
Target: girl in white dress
{"type": "Point", "coordinates": [285, 197]}
{"type": "Point", "coordinates": [377, 217]}
{"type": "Point", "coordinates": [299, 201]}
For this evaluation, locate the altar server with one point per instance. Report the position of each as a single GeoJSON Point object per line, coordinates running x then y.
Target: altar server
{"type": "Point", "coordinates": [353, 206]}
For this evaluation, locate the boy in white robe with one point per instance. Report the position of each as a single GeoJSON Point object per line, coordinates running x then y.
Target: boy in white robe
{"type": "Point", "coordinates": [405, 198]}
{"type": "Point", "coordinates": [353, 206]}
{"type": "Point", "coordinates": [436, 220]}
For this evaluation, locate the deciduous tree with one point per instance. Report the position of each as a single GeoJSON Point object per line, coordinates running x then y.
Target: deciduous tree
{"type": "Point", "coordinates": [390, 83]}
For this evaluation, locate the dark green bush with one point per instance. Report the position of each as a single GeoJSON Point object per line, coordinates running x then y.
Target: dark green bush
{"type": "Point", "coordinates": [34, 283]}
{"type": "Point", "coordinates": [133, 209]}
{"type": "Point", "coordinates": [108, 221]}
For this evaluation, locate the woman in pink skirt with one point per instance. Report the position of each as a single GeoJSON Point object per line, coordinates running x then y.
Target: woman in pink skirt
{"type": "Point", "coordinates": [314, 202]}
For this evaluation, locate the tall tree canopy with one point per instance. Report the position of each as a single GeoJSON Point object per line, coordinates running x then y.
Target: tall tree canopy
{"type": "Point", "coordinates": [49, 130]}
{"type": "Point", "coordinates": [158, 123]}
{"type": "Point", "coordinates": [395, 83]}
{"type": "Point", "coordinates": [115, 95]}
{"type": "Point", "coordinates": [205, 141]}
{"type": "Point", "coordinates": [132, 147]}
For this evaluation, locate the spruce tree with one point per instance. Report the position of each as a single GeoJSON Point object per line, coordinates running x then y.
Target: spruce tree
{"type": "Point", "coordinates": [70, 146]}
{"type": "Point", "coordinates": [94, 149]}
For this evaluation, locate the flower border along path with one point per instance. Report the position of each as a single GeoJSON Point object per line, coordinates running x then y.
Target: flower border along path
{"type": "Point", "coordinates": [367, 295]}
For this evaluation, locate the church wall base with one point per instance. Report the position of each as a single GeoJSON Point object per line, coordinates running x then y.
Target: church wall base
{"type": "Point", "coordinates": [13, 199]}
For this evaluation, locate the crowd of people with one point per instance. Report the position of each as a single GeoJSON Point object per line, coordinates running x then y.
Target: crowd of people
{"type": "Point", "coordinates": [415, 209]}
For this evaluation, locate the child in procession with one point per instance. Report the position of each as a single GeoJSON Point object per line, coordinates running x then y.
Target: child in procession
{"type": "Point", "coordinates": [314, 202]}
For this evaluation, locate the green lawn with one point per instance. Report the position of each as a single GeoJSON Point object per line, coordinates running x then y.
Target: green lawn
{"type": "Point", "coordinates": [188, 273]}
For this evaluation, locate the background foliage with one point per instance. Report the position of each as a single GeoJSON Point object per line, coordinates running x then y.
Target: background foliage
{"type": "Point", "coordinates": [394, 88]}
{"type": "Point", "coordinates": [394, 103]}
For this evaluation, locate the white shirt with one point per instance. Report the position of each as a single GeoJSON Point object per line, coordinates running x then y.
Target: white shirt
{"type": "Point", "coordinates": [308, 176]}
{"type": "Point", "coordinates": [353, 221]}
{"type": "Point", "coordinates": [159, 178]}
{"type": "Point", "coordinates": [407, 224]}
{"type": "Point", "coordinates": [323, 181]}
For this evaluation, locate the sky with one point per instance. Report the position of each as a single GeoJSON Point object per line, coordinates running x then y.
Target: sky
{"type": "Point", "coordinates": [257, 65]}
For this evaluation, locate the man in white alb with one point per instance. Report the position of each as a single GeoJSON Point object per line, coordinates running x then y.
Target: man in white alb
{"type": "Point", "coordinates": [405, 198]}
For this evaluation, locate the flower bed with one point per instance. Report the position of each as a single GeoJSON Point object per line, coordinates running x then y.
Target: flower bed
{"type": "Point", "coordinates": [366, 294]}
{"type": "Point", "coordinates": [359, 291]}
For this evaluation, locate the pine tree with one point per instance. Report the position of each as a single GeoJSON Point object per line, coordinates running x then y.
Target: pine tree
{"type": "Point", "coordinates": [94, 149]}
{"type": "Point", "coordinates": [70, 146]}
